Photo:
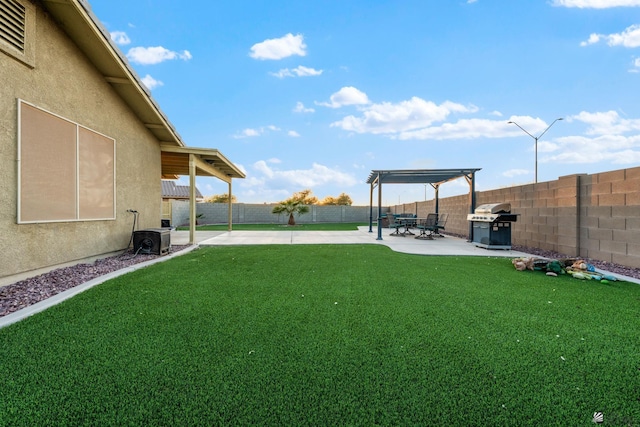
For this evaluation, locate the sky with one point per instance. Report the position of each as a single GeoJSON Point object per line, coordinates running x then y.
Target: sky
{"type": "Point", "coordinates": [317, 94]}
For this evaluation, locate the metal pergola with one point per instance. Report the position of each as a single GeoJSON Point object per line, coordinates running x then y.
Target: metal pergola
{"type": "Point", "coordinates": [434, 177]}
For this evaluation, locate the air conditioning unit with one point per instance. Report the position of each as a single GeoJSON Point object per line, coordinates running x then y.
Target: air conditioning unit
{"type": "Point", "coordinates": [152, 241]}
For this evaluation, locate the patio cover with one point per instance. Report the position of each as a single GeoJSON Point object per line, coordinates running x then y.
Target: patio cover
{"type": "Point", "coordinates": [197, 162]}
{"type": "Point", "coordinates": [435, 177]}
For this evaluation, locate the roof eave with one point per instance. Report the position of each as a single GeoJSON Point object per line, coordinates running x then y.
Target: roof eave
{"type": "Point", "coordinates": [77, 20]}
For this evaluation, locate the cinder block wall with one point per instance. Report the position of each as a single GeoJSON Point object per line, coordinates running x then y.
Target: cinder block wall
{"type": "Point", "coordinates": [595, 216]}
{"type": "Point", "coordinates": [242, 213]}
{"type": "Point", "coordinates": [609, 229]}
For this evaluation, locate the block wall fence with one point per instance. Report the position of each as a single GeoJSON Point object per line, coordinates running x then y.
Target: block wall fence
{"type": "Point", "coordinates": [243, 213]}
{"type": "Point", "coordinates": [595, 216]}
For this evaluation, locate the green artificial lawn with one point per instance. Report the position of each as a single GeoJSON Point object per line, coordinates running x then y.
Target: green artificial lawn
{"type": "Point", "coordinates": [328, 335]}
{"type": "Point", "coordinates": [346, 226]}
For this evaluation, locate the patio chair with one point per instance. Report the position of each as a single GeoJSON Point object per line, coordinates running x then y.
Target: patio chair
{"type": "Point", "coordinates": [442, 220]}
{"type": "Point", "coordinates": [397, 224]}
{"type": "Point", "coordinates": [427, 227]}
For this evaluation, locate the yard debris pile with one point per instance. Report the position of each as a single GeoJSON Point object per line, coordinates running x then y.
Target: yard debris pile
{"type": "Point", "coordinates": [575, 267]}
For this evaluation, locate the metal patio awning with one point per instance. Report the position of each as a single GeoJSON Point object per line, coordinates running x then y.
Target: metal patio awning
{"type": "Point", "coordinates": [435, 177]}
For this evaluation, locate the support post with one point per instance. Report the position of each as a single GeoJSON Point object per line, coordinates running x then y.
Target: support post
{"type": "Point", "coordinates": [192, 199]}
{"type": "Point", "coordinates": [472, 201]}
{"type": "Point", "coordinates": [371, 209]}
{"type": "Point", "coordinates": [230, 212]}
{"type": "Point", "coordinates": [379, 209]}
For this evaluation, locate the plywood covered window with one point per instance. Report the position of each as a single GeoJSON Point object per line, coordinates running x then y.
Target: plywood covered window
{"type": "Point", "coordinates": [66, 172]}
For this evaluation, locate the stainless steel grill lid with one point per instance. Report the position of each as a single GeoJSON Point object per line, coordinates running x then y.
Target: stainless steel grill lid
{"type": "Point", "coordinates": [493, 208]}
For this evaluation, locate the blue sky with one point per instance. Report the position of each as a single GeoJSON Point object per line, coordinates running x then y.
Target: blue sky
{"type": "Point", "coordinates": [317, 94]}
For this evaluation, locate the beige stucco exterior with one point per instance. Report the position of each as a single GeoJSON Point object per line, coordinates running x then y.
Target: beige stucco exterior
{"type": "Point", "coordinates": [65, 82]}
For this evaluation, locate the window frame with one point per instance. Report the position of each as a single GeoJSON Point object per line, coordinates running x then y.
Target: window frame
{"type": "Point", "coordinates": [78, 148]}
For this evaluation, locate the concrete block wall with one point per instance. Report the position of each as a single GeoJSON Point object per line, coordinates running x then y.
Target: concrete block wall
{"type": "Point", "coordinates": [243, 213]}
{"type": "Point", "coordinates": [595, 216]}
{"type": "Point", "coordinates": [610, 217]}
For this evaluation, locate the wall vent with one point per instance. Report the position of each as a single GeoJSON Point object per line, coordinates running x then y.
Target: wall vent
{"type": "Point", "coordinates": [12, 24]}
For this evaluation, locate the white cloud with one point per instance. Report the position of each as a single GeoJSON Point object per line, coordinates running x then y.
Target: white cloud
{"type": "Point", "coordinates": [293, 134]}
{"type": "Point", "coordinates": [462, 129]}
{"type": "Point", "coordinates": [155, 55]}
{"type": "Point", "coordinates": [606, 123]}
{"type": "Point", "coordinates": [151, 83]}
{"type": "Point", "coordinates": [630, 37]}
{"type": "Point", "coordinates": [120, 37]}
{"type": "Point", "coordinates": [250, 132]}
{"type": "Point", "coordinates": [282, 47]}
{"type": "Point", "coordinates": [247, 133]}
{"type": "Point", "coordinates": [595, 4]}
{"type": "Point", "coordinates": [405, 116]}
{"type": "Point", "coordinates": [299, 71]}
{"type": "Point", "coordinates": [616, 149]}
{"type": "Point", "coordinates": [300, 108]}
{"type": "Point", "coordinates": [636, 66]}
{"type": "Point", "coordinates": [593, 39]}
{"type": "Point", "coordinates": [297, 179]}
{"type": "Point", "coordinates": [348, 95]}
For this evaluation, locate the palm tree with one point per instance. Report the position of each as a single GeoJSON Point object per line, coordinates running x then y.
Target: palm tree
{"type": "Point", "coordinates": [291, 207]}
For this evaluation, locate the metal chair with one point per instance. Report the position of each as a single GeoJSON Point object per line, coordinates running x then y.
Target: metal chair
{"type": "Point", "coordinates": [428, 227]}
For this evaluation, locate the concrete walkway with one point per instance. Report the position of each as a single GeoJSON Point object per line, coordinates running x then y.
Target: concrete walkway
{"type": "Point", "coordinates": [447, 245]}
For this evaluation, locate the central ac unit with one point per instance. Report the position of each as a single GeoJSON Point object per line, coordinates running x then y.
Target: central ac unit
{"type": "Point", "coordinates": [152, 241]}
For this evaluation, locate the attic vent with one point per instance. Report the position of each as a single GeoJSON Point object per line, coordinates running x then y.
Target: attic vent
{"type": "Point", "coordinates": [12, 23]}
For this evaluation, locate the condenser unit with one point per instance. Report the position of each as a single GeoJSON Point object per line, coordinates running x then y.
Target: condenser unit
{"type": "Point", "coordinates": [152, 241]}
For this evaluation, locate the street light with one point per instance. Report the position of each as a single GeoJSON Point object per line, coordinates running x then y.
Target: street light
{"type": "Point", "coordinates": [536, 138]}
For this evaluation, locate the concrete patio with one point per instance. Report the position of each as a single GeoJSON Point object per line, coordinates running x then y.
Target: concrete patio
{"type": "Point", "coordinates": [446, 245]}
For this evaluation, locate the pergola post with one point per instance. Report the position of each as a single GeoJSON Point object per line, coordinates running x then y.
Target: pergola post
{"type": "Point", "coordinates": [472, 202]}
{"type": "Point", "coordinates": [379, 208]}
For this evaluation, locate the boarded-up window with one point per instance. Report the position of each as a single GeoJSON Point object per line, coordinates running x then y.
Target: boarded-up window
{"type": "Point", "coordinates": [66, 171]}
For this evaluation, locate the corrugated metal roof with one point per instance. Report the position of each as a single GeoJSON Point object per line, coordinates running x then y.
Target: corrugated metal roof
{"type": "Point", "coordinates": [172, 191]}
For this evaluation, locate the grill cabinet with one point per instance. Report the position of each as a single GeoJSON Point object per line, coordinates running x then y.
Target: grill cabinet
{"type": "Point", "coordinates": [491, 225]}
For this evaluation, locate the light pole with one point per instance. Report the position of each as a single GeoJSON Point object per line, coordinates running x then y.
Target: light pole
{"type": "Point", "coordinates": [536, 138]}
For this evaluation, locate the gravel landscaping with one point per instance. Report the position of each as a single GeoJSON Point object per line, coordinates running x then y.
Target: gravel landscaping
{"type": "Point", "coordinates": [24, 293]}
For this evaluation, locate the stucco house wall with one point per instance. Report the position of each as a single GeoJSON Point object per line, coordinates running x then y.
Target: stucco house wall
{"type": "Point", "coordinates": [63, 81]}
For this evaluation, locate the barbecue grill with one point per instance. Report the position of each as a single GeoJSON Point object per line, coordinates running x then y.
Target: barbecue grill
{"type": "Point", "coordinates": [492, 225]}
